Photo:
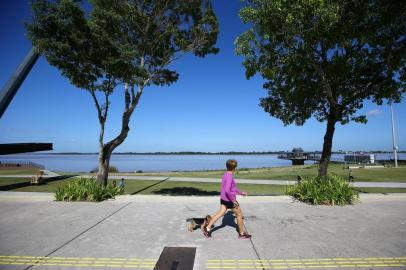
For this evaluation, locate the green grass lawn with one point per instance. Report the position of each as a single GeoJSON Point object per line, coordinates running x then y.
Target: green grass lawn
{"type": "Point", "coordinates": [175, 188]}
{"type": "Point", "coordinates": [380, 174]}
{"type": "Point", "coordinates": [201, 189]}
{"type": "Point", "coordinates": [156, 188]}
{"type": "Point", "coordinates": [276, 173]}
{"type": "Point", "coordinates": [25, 171]}
{"type": "Point", "coordinates": [291, 173]}
{"type": "Point", "coordinates": [48, 187]}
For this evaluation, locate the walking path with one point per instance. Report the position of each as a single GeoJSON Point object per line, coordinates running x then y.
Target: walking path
{"type": "Point", "coordinates": [131, 232]}
{"type": "Point", "coordinates": [49, 174]}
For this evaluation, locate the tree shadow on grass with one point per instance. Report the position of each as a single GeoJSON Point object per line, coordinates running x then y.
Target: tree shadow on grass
{"type": "Point", "coordinates": [27, 183]}
{"type": "Point", "coordinates": [180, 191]}
{"type": "Point", "coordinates": [157, 183]}
{"type": "Point", "coordinates": [58, 178]}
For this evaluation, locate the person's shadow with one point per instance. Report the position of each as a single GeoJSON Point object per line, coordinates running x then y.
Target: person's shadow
{"type": "Point", "coordinates": [228, 220]}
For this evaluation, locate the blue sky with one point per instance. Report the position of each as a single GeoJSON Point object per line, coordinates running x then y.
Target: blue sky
{"type": "Point", "coordinates": [211, 108]}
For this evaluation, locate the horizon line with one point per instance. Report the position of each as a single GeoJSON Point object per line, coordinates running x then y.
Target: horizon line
{"type": "Point", "coordinates": [221, 152]}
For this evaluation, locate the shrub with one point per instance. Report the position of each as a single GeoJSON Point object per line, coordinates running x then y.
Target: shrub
{"type": "Point", "coordinates": [84, 189]}
{"type": "Point", "coordinates": [112, 169]}
{"type": "Point", "coordinates": [331, 190]}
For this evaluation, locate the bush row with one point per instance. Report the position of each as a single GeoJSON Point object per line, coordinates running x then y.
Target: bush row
{"type": "Point", "coordinates": [330, 190]}
{"type": "Point", "coordinates": [86, 189]}
{"type": "Point", "coordinates": [112, 169]}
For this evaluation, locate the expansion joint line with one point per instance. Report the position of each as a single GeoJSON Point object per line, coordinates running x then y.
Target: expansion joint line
{"type": "Point", "coordinates": [255, 250]}
{"type": "Point", "coordinates": [77, 236]}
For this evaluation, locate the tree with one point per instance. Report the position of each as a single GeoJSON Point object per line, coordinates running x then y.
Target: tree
{"type": "Point", "coordinates": [324, 58]}
{"type": "Point", "coordinates": [123, 42]}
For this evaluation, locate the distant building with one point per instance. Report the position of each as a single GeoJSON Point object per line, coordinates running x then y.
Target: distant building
{"type": "Point", "coordinates": [297, 152]}
{"type": "Point", "coordinates": [360, 158]}
{"type": "Point", "coordinates": [297, 156]}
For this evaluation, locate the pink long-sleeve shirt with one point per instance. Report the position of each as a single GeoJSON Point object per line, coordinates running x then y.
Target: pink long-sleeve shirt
{"type": "Point", "coordinates": [229, 188]}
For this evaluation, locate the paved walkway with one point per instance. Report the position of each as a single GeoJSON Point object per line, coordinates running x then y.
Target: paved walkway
{"type": "Point", "coordinates": [47, 174]}
{"type": "Point", "coordinates": [132, 231]}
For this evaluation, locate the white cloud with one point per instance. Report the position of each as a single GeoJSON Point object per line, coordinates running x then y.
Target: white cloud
{"type": "Point", "coordinates": [374, 112]}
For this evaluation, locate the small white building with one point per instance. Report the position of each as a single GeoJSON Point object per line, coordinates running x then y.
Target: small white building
{"type": "Point", "coordinates": [360, 158]}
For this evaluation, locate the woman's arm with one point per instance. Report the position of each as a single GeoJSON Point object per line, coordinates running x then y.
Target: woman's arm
{"type": "Point", "coordinates": [227, 187]}
{"type": "Point", "coordinates": [239, 191]}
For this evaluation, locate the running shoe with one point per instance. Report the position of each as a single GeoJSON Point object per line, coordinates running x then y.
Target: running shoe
{"type": "Point", "coordinates": [206, 233]}
{"type": "Point", "coordinates": [244, 236]}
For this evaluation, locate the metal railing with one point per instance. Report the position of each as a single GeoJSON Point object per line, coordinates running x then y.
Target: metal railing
{"type": "Point", "coordinates": [21, 163]}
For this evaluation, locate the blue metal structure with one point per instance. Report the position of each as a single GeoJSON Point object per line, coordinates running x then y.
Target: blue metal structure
{"type": "Point", "coordinates": [6, 96]}
{"type": "Point", "coordinates": [10, 89]}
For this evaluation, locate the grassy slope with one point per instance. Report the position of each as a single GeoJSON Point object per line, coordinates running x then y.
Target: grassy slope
{"type": "Point", "coordinates": [179, 188]}
{"type": "Point", "coordinates": [191, 188]}
{"type": "Point", "coordinates": [4, 171]}
{"type": "Point", "coordinates": [152, 187]}
{"type": "Point", "coordinates": [291, 173]}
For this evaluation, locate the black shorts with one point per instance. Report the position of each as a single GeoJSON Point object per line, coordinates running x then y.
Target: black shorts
{"type": "Point", "coordinates": [229, 205]}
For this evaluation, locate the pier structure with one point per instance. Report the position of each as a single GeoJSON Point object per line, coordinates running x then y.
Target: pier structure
{"type": "Point", "coordinates": [298, 157]}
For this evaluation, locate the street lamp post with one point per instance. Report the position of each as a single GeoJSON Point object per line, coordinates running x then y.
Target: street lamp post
{"type": "Point", "coordinates": [394, 138]}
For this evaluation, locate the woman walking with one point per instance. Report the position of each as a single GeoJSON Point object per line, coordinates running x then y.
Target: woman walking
{"type": "Point", "coordinates": [228, 200]}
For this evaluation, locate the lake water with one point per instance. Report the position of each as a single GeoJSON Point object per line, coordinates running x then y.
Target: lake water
{"type": "Point", "coordinates": [156, 163]}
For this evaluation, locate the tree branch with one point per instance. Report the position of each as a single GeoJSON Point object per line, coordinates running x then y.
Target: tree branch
{"type": "Point", "coordinates": [327, 86]}
{"type": "Point", "coordinates": [99, 111]}
{"type": "Point", "coordinates": [106, 108]}
{"type": "Point", "coordinates": [126, 97]}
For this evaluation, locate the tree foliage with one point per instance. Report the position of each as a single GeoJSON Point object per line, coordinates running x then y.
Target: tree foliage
{"type": "Point", "coordinates": [112, 40]}
{"type": "Point", "coordinates": [110, 43]}
{"type": "Point", "coordinates": [324, 58]}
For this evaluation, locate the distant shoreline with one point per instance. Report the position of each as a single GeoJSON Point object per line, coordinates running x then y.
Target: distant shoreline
{"type": "Point", "coordinates": [158, 162]}
{"type": "Point", "coordinates": [216, 153]}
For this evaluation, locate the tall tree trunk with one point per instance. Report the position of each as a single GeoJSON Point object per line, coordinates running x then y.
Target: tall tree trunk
{"type": "Point", "coordinates": [327, 146]}
{"type": "Point", "coordinates": [104, 156]}
{"type": "Point", "coordinates": [108, 148]}
{"type": "Point", "coordinates": [104, 164]}
{"type": "Point", "coordinates": [105, 150]}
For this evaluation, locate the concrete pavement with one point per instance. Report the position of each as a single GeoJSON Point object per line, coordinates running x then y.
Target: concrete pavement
{"type": "Point", "coordinates": [131, 232]}
{"type": "Point", "coordinates": [47, 174]}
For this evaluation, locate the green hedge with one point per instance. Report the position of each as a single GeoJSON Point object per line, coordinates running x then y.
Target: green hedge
{"type": "Point", "coordinates": [112, 169]}
{"type": "Point", "coordinates": [331, 190]}
{"type": "Point", "coordinates": [85, 189]}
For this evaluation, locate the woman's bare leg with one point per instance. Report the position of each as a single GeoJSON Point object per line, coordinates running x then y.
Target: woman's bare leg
{"type": "Point", "coordinates": [219, 214]}
{"type": "Point", "coordinates": [240, 223]}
